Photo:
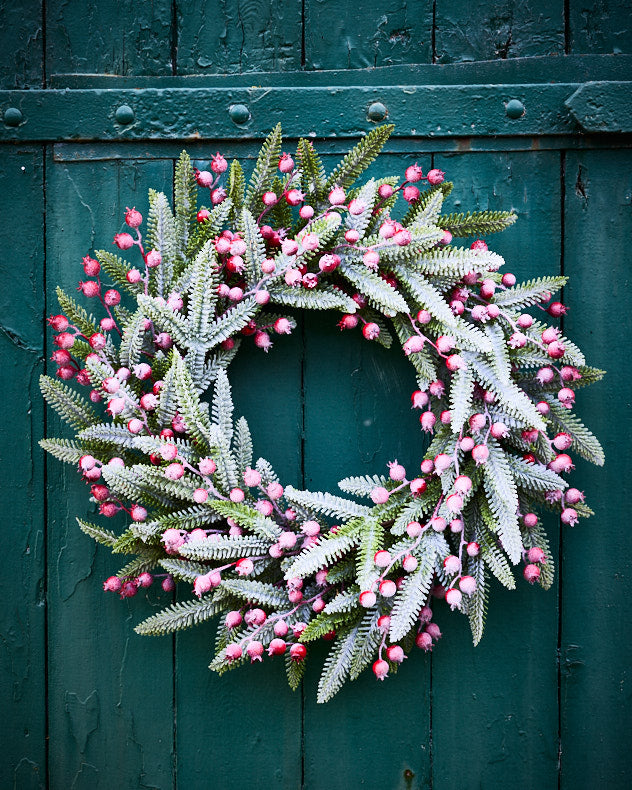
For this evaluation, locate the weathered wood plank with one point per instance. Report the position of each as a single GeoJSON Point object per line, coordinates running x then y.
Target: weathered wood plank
{"type": "Point", "coordinates": [480, 30]}
{"type": "Point", "coordinates": [21, 44]}
{"type": "Point", "coordinates": [500, 698]}
{"type": "Point", "coordinates": [111, 37]}
{"type": "Point", "coordinates": [251, 709]}
{"type": "Point", "coordinates": [110, 691]}
{"type": "Point", "coordinates": [600, 26]}
{"type": "Point", "coordinates": [236, 36]}
{"type": "Point", "coordinates": [357, 418]}
{"type": "Point", "coordinates": [341, 36]}
{"type": "Point", "coordinates": [596, 610]}
{"type": "Point", "coordinates": [22, 495]}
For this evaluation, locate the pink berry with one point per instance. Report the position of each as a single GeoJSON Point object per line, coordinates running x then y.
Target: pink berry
{"type": "Point", "coordinates": [371, 259]}
{"type": "Point", "coordinates": [428, 421]}
{"type": "Point", "coordinates": [277, 647]}
{"type": "Point", "coordinates": [573, 496]}
{"type": "Point", "coordinates": [379, 495]}
{"type": "Point", "coordinates": [219, 164]}
{"type": "Point", "coordinates": [536, 554]}
{"type": "Point", "coordinates": [453, 598]}
{"type": "Point", "coordinates": [90, 266]}
{"type": "Point", "coordinates": [569, 516]}
{"type": "Point", "coordinates": [473, 549]}
{"type": "Point", "coordinates": [410, 194]}
{"type": "Point", "coordinates": [419, 399]}
{"type": "Point", "coordinates": [123, 241]}
{"type": "Point", "coordinates": [133, 218]}
{"type": "Point", "coordinates": [434, 630]}
{"type": "Point", "coordinates": [286, 163]}
{"type": "Point", "coordinates": [395, 653]}
{"type": "Point", "coordinates": [337, 196]}
{"type": "Point", "coordinates": [112, 584]}
{"type": "Point", "coordinates": [480, 454]}
{"type": "Point", "coordinates": [255, 650]}
{"type": "Point", "coordinates": [233, 652]}
{"type": "Point", "coordinates": [438, 523]}
{"type": "Point", "coordinates": [207, 466]}
{"type": "Point", "coordinates": [244, 567]}
{"type": "Point", "coordinates": [413, 529]}
{"type": "Point", "coordinates": [424, 641]}
{"type": "Point", "coordinates": [298, 652]}
{"type": "Point", "coordinates": [138, 513]}
{"type": "Point", "coordinates": [367, 599]}
{"type": "Point", "coordinates": [531, 573]}
{"type": "Point", "coordinates": [388, 588]}
{"type": "Point", "coordinates": [174, 471]}
{"type": "Point", "coordinates": [385, 191]}
{"type": "Point", "coordinates": [435, 176]}
{"type": "Point", "coordinates": [380, 669]}
{"type": "Point", "coordinates": [467, 584]}
{"type": "Point", "coordinates": [409, 563]}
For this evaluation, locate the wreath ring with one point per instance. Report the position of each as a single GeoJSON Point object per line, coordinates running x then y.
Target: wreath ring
{"type": "Point", "coordinates": [496, 387]}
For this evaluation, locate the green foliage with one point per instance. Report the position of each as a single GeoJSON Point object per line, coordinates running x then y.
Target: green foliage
{"type": "Point", "coordinates": [477, 223]}
{"type": "Point", "coordinates": [179, 616]}
{"type": "Point", "coordinates": [265, 167]}
{"type": "Point", "coordinates": [359, 158]}
{"type": "Point", "coordinates": [70, 406]}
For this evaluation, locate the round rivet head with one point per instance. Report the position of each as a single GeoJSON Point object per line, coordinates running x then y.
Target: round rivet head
{"type": "Point", "coordinates": [377, 111]}
{"type": "Point", "coordinates": [239, 113]}
{"type": "Point", "coordinates": [124, 115]}
{"type": "Point", "coordinates": [12, 116]}
{"type": "Point", "coordinates": [514, 108]}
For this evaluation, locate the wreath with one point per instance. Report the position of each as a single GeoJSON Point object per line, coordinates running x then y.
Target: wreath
{"type": "Point", "coordinates": [282, 567]}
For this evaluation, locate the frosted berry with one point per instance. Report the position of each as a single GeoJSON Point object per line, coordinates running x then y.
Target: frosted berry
{"type": "Point", "coordinates": [438, 523]}
{"type": "Point", "coordinates": [385, 191]}
{"type": "Point", "coordinates": [380, 669]}
{"type": "Point", "coordinates": [233, 652]}
{"type": "Point", "coordinates": [112, 584]}
{"type": "Point", "coordinates": [454, 598]}
{"type": "Point", "coordinates": [90, 288]}
{"type": "Point", "coordinates": [410, 194]}
{"type": "Point", "coordinates": [90, 266]}
{"type": "Point", "coordinates": [287, 539]}
{"type": "Point", "coordinates": [128, 590]}
{"type": "Point", "coordinates": [277, 647]}
{"type": "Point", "coordinates": [337, 196]}
{"type": "Point", "coordinates": [367, 599]}
{"type": "Point", "coordinates": [395, 653]}
{"type": "Point", "coordinates": [467, 584]}
{"type": "Point", "coordinates": [255, 650]}
{"type": "Point", "coordinates": [419, 399]}
{"type": "Point", "coordinates": [207, 466]}
{"type": "Point", "coordinates": [531, 573]}
{"type": "Point", "coordinates": [463, 484]}
{"type": "Point", "coordinates": [388, 588]}
{"type": "Point", "coordinates": [396, 471]}
{"type": "Point", "coordinates": [379, 495]}
{"type": "Point", "coordinates": [138, 513]}
{"type": "Point", "coordinates": [219, 164]}
{"type": "Point", "coordinates": [435, 176]}
{"type": "Point", "coordinates": [573, 496]}
{"type": "Point", "coordinates": [298, 652]}
{"type": "Point", "coordinates": [473, 549]}
{"type": "Point", "coordinates": [413, 529]}
{"type": "Point", "coordinates": [144, 580]}
{"type": "Point", "coordinates": [286, 163]}
{"type": "Point", "coordinates": [569, 516]}
{"type": "Point", "coordinates": [499, 430]}
{"type": "Point", "coordinates": [409, 563]}
{"type": "Point", "coordinates": [428, 421]}
{"type": "Point", "coordinates": [424, 641]}
{"type": "Point", "coordinates": [451, 564]}
{"type": "Point", "coordinates": [535, 554]}
{"type": "Point", "coordinates": [245, 566]}
{"type": "Point", "coordinates": [133, 218]}
{"type": "Point", "coordinates": [480, 454]}
{"type": "Point", "coordinates": [123, 241]}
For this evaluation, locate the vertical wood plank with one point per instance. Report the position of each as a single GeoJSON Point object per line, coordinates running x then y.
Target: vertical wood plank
{"type": "Point", "coordinates": [500, 698]}
{"type": "Point", "coordinates": [339, 35]}
{"type": "Point", "coordinates": [21, 44]}
{"type": "Point", "coordinates": [110, 690]}
{"type": "Point", "coordinates": [109, 37]}
{"type": "Point", "coordinates": [22, 496]}
{"type": "Point", "coordinates": [357, 418]}
{"type": "Point", "coordinates": [250, 711]}
{"type": "Point", "coordinates": [600, 26]}
{"type": "Point", "coordinates": [596, 609]}
{"type": "Point", "coordinates": [471, 30]}
{"type": "Point", "coordinates": [235, 36]}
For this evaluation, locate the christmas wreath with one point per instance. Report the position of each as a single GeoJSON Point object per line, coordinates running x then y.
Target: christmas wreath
{"type": "Point", "coordinates": [282, 567]}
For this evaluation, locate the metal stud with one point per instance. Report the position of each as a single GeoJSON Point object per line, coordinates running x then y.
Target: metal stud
{"type": "Point", "coordinates": [239, 113]}
{"type": "Point", "coordinates": [12, 116]}
{"type": "Point", "coordinates": [124, 115]}
{"type": "Point", "coordinates": [514, 109]}
{"type": "Point", "coordinates": [377, 111]}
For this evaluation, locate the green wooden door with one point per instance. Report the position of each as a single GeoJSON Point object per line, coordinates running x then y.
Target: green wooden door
{"type": "Point", "coordinates": [544, 700]}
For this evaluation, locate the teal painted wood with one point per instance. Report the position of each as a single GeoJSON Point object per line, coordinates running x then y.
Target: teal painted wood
{"type": "Point", "coordinates": [339, 35]}
{"type": "Point", "coordinates": [21, 44]}
{"type": "Point", "coordinates": [111, 37]}
{"type": "Point", "coordinates": [595, 627]}
{"type": "Point", "coordinates": [236, 36]}
{"type": "Point", "coordinates": [480, 30]}
{"type": "Point", "coordinates": [110, 692]}
{"type": "Point", "coordinates": [600, 26]}
{"type": "Point", "coordinates": [503, 693]}
{"type": "Point", "coordinates": [22, 496]}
